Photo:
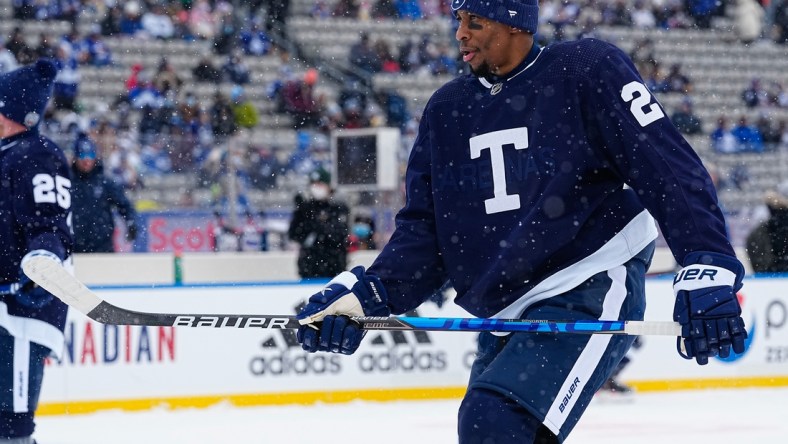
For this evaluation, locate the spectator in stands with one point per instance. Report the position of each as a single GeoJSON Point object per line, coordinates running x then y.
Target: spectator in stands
{"type": "Point", "coordinates": [188, 109]}
{"type": "Point", "coordinates": [131, 20]}
{"type": "Point", "coordinates": [254, 41]}
{"type": "Point", "coordinates": [654, 77]}
{"type": "Point", "coordinates": [748, 137]}
{"type": "Point", "coordinates": [362, 233]}
{"type": "Point", "coordinates": [17, 43]}
{"type": "Point", "coordinates": [133, 80]}
{"type": "Point", "coordinates": [564, 15]}
{"type": "Point", "coordinates": [722, 139]}
{"type": "Point", "coordinates": [320, 226]}
{"type": "Point", "coordinates": [354, 116]}
{"type": "Point", "coordinates": [395, 107]}
{"type": "Point", "coordinates": [235, 71]}
{"type": "Point", "coordinates": [244, 110]}
{"type": "Point", "coordinates": [206, 71]}
{"type": "Point", "coordinates": [345, 8]}
{"type": "Point", "coordinates": [434, 8]}
{"type": "Point", "coordinates": [301, 102]}
{"type": "Point", "coordinates": [110, 24]}
{"type": "Point", "coordinates": [276, 18]}
{"type": "Point", "coordinates": [201, 20]}
{"type": "Point", "coordinates": [677, 81]}
{"type": "Point", "coordinates": [781, 21]}
{"type": "Point", "coordinates": [770, 133]}
{"type": "Point", "coordinates": [767, 244]}
{"type": "Point", "coordinates": [145, 94]}
{"type": "Point", "coordinates": [388, 63]}
{"type": "Point", "coordinates": [320, 10]}
{"type": "Point", "coordinates": [266, 167]}
{"type": "Point", "coordinates": [776, 95]}
{"type": "Point", "coordinates": [226, 38]}
{"type": "Point", "coordinates": [384, 9]}
{"type": "Point", "coordinates": [46, 47]}
{"type": "Point", "coordinates": [618, 14]}
{"type": "Point", "coordinates": [157, 23]}
{"type": "Point", "coordinates": [685, 118]}
{"type": "Point", "coordinates": [409, 56]}
{"type": "Point", "coordinates": [444, 62]}
{"type": "Point", "coordinates": [94, 197]}
{"type": "Point", "coordinates": [23, 9]}
{"type": "Point", "coordinates": [364, 57]}
{"type": "Point", "coordinates": [782, 129]}
{"type": "Point", "coordinates": [643, 15]}
{"type": "Point", "coordinates": [66, 86]}
{"type": "Point", "coordinates": [702, 12]}
{"type": "Point", "coordinates": [748, 18]}
{"type": "Point", "coordinates": [643, 53]}
{"type": "Point", "coordinates": [7, 59]}
{"type": "Point", "coordinates": [754, 95]}
{"type": "Point", "coordinates": [72, 45]}
{"type": "Point", "coordinates": [222, 118]}
{"type": "Point", "coordinates": [93, 49]}
{"type": "Point", "coordinates": [166, 78]}
{"type": "Point", "coordinates": [408, 9]}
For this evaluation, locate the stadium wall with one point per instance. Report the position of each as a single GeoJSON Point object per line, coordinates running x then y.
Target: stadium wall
{"type": "Point", "coordinates": [132, 368]}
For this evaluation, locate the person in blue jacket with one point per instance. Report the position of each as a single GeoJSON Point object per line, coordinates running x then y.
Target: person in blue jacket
{"type": "Point", "coordinates": [533, 186]}
{"type": "Point", "coordinates": [95, 198]}
{"type": "Point", "coordinates": [35, 207]}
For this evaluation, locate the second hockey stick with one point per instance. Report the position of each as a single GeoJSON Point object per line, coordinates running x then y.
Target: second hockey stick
{"type": "Point", "coordinates": [50, 275]}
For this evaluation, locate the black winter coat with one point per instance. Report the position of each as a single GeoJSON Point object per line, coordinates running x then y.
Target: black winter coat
{"type": "Point", "coordinates": [321, 228]}
{"type": "Point", "coordinates": [94, 196]}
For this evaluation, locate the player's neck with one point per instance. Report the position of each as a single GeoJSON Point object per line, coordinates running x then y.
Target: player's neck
{"type": "Point", "coordinates": [526, 57]}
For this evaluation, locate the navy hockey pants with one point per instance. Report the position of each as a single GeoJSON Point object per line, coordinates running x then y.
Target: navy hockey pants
{"type": "Point", "coordinates": [536, 385]}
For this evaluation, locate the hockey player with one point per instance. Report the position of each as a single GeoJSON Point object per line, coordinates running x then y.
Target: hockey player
{"type": "Point", "coordinates": [533, 185]}
{"type": "Point", "coordinates": [35, 202]}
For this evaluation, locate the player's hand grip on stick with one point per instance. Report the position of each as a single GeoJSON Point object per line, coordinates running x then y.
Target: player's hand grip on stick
{"type": "Point", "coordinates": [707, 307]}
{"type": "Point", "coordinates": [30, 294]}
{"type": "Point", "coordinates": [325, 322]}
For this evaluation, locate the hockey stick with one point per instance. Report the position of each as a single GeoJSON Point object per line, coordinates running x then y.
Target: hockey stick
{"type": "Point", "coordinates": [50, 275]}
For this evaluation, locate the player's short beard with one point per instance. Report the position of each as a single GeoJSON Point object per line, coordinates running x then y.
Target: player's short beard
{"type": "Point", "coordinates": [482, 70]}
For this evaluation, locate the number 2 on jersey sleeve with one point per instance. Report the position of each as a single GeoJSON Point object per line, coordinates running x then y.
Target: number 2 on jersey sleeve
{"type": "Point", "coordinates": [641, 107]}
{"type": "Point", "coordinates": [52, 189]}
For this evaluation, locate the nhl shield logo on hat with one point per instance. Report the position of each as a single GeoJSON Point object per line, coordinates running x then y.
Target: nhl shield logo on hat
{"type": "Point", "coordinates": [457, 4]}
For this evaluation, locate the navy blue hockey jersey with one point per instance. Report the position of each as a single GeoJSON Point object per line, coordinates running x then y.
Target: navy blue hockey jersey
{"type": "Point", "coordinates": [35, 208]}
{"type": "Point", "coordinates": [522, 187]}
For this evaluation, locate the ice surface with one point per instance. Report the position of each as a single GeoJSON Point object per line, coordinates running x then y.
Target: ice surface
{"type": "Point", "coordinates": [718, 416]}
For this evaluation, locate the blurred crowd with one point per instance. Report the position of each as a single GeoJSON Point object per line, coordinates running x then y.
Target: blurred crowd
{"type": "Point", "coordinates": [159, 125]}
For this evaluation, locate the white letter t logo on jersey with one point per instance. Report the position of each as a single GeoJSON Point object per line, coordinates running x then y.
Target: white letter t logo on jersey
{"type": "Point", "coordinates": [495, 141]}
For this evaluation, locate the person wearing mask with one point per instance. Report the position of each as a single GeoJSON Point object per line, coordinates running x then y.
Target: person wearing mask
{"type": "Point", "coordinates": [320, 226]}
{"type": "Point", "coordinates": [95, 198]}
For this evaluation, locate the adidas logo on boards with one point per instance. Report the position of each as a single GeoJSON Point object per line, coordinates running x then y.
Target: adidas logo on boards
{"type": "Point", "coordinates": [402, 351]}
{"type": "Point", "coordinates": [281, 354]}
